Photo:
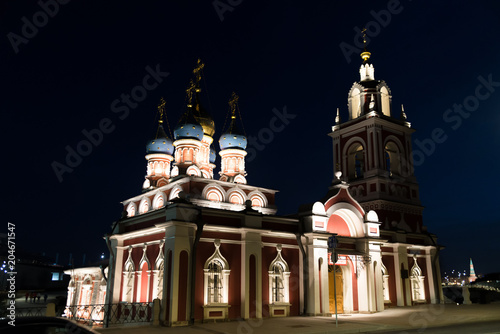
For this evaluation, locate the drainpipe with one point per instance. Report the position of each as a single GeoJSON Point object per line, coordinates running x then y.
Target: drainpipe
{"type": "Point", "coordinates": [304, 269]}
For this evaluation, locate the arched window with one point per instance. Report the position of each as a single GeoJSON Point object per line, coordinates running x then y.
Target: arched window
{"type": "Point", "coordinates": [392, 158]}
{"type": "Point", "coordinates": [356, 161]}
{"type": "Point", "coordinates": [279, 276]}
{"type": "Point", "coordinates": [158, 274]}
{"type": "Point", "coordinates": [355, 104]}
{"type": "Point", "coordinates": [216, 272]}
{"type": "Point", "coordinates": [277, 283]}
{"type": "Point", "coordinates": [417, 282]}
{"type": "Point", "coordinates": [359, 164]}
{"type": "Point", "coordinates": [387, 162]}
{"type": "Point", "coordinates": [87, 289]}
{"type": "Point", "coordinates": [215, 278]}
{"type": "Point", "coordinates": [101, 298]}
{"type": "Point", "coordinates": [386, 101]}
{"type": "Point", "coordinates": [143, 277]}
{"type": "Point", "coordinates": [71, 292]}
{"type": "Point", "coordinates": [128, 279]}
{"type": "Point", "coordinates": [158, 168]}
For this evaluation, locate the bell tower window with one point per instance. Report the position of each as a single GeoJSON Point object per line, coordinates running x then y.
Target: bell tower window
{"type": "Point", "coordinates": [386, 101]}
{"type": "Point", "coordinates": [392, 159]}
{"type": "Point", "coordinates": [359, 164]}
{"type": "Point", "coordinates": [355, 104]}
{"type": "Point", "coordinates": [356, 163]}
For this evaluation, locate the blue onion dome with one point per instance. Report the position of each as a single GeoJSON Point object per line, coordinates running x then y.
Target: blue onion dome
{"type": "Point", "coordinates": [188, 127]}
{"type": "Point", "coordinates": [203, 117]}
{"type": "Point", "coordinates": [232, 137]}
{"type": "Point", "coordinates": [212, 155]}
{"type": "Point", "coordinates": [160, 144]}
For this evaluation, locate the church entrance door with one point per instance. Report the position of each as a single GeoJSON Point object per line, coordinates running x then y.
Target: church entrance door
{"type": "Point", "coordinates": [335, 273]}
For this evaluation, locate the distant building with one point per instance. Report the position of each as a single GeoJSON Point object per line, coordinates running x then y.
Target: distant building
{"type": "Point", "coordinates": [215, 249]}
{"type": "Point", "coordinates": [34, 272]}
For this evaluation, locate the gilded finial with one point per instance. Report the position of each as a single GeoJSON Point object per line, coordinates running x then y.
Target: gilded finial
{"type": "Point", "coordinates": [197, 71]}
{"type": "Point", "coordinates": [189, 92]}
{"type": "Point", "coordinates": [232, 104]}
{"type": "Point", "coordinates": [161, 110]}
{"type": "Point", "coordinates": [365, 55]}
{"type": "Point", "coordinates": [337, 118]}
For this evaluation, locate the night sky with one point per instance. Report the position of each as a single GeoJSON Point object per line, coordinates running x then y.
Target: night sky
{"type": "Point", "coordinates": [69, 74]}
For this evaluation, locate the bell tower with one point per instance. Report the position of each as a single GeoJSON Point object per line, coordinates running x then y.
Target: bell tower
{"type": "Point", "coordinates": [373, 150]}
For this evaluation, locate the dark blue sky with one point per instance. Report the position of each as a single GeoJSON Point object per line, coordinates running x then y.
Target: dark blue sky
{"type": "Point", "coordinates": [67, 73]}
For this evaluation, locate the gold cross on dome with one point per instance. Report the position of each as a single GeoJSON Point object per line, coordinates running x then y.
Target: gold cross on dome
{"type": "Point", "coordinates": [161, 110]}
{"type": "Point", "coordinates": [232, 103]}
{"type": "Point", "coordinates": [190, 90]}
{"type": "Point", "coordinates": [197, 70]}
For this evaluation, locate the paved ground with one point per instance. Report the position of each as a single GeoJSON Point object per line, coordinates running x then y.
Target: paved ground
{"type": "Point", "coordinates": [417, 318]}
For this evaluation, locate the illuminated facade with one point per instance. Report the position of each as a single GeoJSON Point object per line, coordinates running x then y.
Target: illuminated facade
{"type": "Point", "coordinates": [215, 249]}
{"type": "Point", "coordinates": [87, 288]}
{"type": "Point", "coordinates": [373, 150]}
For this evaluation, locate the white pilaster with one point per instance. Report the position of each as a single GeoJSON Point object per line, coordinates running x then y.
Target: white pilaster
{"type": "Point", "coordinates": [251, 245]}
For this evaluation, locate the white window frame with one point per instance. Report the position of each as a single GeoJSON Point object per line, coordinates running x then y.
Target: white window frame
{"type": "Point", "coordinates": [128, 279]}
{"type": "Point", "coordinates": [275, 279]}
{"type": "Point", "coordinates": [222, 277]}
{"type": "Point", "coordinates": [417, 282]}
{"type": "Point", "coordinates": [158, 273]}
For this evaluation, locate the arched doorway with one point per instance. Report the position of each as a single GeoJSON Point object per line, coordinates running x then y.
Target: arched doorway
{"type": "Point", "coordinates": [335, 286]}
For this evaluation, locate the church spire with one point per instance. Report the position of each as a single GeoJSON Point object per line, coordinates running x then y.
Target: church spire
{"type": "Point", "coordinates": [365, 55]}
{"type": "Point", "coordinates": [366, 71]}
{"type": "Point", "coordinates": [472, 272]}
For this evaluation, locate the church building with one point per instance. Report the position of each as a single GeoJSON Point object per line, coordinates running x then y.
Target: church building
{"type": "Point", "coordinates": [212, 248]}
